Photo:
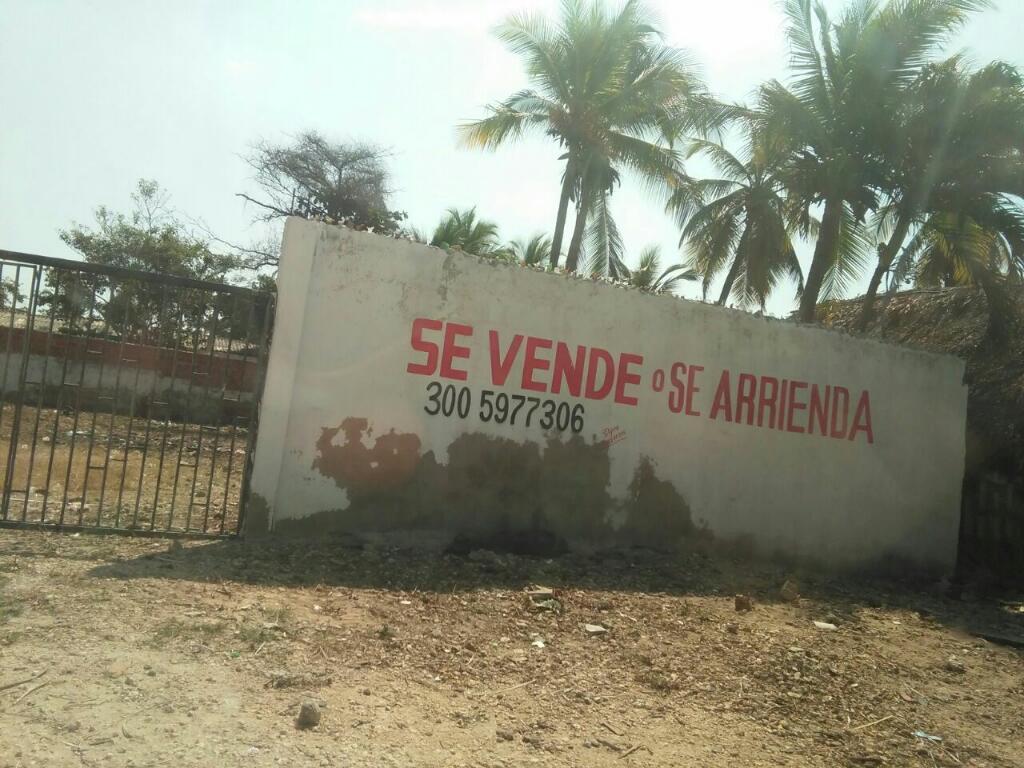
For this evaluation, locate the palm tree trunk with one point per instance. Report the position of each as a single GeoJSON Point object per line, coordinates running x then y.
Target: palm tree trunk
{"type": "Point", "coordinates": [885, 259]}
{"type": "Point", "coordinates": [824, 254]}
{"type": "Point", "coordinates": [867, 311]}
{"type": "Point", "coordinates": [576, 244]}
{"type": "Point", "coordinates": [999, 306]}
{"type": "Point", "coordinates": [730, 278]}
{"type": "Point", "coordinates": [734, 270]}
{"type": "Point", "coordinates": [563, 209]}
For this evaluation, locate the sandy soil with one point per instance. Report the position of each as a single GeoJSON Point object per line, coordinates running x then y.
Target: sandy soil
{"type": "Point", "coordinates": [133, 652]}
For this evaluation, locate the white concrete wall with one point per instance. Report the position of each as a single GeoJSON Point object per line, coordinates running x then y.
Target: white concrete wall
{"type": "Point", "coordinates": [342, 350]}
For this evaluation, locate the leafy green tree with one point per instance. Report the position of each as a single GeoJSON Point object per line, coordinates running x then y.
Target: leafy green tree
{"type": "Point", "coordinates": [10, 294]}
{"type": "Point", "coordinates": [149, 239]}
{"type": "Point", "coordinates": [740, 223]}
{"type": "Point", "coordinates": [957, 166]}
{"type": "Point", "coordinates": [850, 77]}
{"type": "Point", "coordinates": [245, 318]}
{"type": "Point", "coordinates": [608, 92]}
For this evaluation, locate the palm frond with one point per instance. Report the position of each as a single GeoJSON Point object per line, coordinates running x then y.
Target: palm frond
{"type": "Point", "coordinates": [853, 250]}
{"type": "Point", "coordinates": [465, 231]}
{"type": "Point", "coordinates": [507, 121]}
{"type": "Point", "coordinates": [805, 59]}
{"type": "Point", "coordinates": [649, 276]}
{"type": "Point", "coordinates": [726, 162]}
{"type": "Point", "coordinates": [670, 279]}
{"type": "Point", "coordinates": [530, 37]}
{"type": "Point", "coordinates": [533, 252]}
{"type": "Point", "coordinates": [604, 245]}
{"type": "Point", "coordinates": [905, 33]}
{"type": "Point", "coordinates": [656, 166]}
{"type": "Point", "coordinates": [712, 235]}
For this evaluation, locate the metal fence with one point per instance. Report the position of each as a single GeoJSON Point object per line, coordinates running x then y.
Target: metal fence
{"type": "Point", "coordinates": [128, 400]}
{"type": "Point", "coordinates": [992, 528]}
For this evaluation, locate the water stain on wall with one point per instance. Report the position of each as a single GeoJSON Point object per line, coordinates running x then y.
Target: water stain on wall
{"type": "Point", "coordinates": [488, 485]}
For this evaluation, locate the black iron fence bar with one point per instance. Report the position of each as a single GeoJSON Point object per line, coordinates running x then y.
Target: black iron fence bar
{"type": "Point", "coordinates": [10, 332]}
{"type": "Point", "coordinates": [167, 419]}
{"type": "Point", "coordinates": [95, 417]}
{"type": "Point", "coordinates": [224, 381]}
{"type": "Point", "coordinates": [12, 451]}
{"type": "Point", "coordinates": [254, 412]}
{"type": "Point", "coordinates": [250, 323]}
{"type": "Point", "coordinates": [128, 434]}
{"type": "Point", "coordinates": [122, 272]}
{"type": "Point", "coordinates": [225, 373]}
{"type": "Point", "coordinates": [111, 425]}
{"type": "Point", "coordinates": [185, 424]}
{"type": "Point", "coordinates": [84, 356]}
{"type": "Point", "coordinates": [41, 395]}
{"type": "Point", "coordinates": [215, 323]}
{"type": "Point", "coordinates": [7, 362]}
{"type": "Point", "coordinates": [67, 293]}
{"type": "Point", "coordinates": [149, 407]}
{"type": "Point", "coordinates": [56, 422]}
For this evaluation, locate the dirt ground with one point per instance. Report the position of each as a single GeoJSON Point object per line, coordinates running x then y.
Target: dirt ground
{"type": "Point", "coordinates": [139, 652]}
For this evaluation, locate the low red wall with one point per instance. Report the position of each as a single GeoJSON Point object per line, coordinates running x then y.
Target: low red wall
{"type": "Point", "coordinates": [235, 372]}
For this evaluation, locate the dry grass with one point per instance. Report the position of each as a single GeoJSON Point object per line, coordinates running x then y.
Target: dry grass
{"type": "Point", "coordinates": [129, 484]}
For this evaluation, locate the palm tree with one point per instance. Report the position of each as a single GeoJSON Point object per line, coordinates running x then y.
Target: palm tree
{"type": "Point", "coordinates": [464, 231]}
{"type": "Point", "coordinates": [649, 276]}
{"type": "Point", "coordinates": [533, 252]}
{"type": "Point", "coordinates": [610, 94]}
{"type": "Point", "coordinates": [959, 150]}
{"type": "Point", "coordinates": [604, 246]}
{"type": "Point", "coordinates": [598, 180]}
{"type": "Point", "coordinates": [982, 245]}
{"type": "Point", "coordinates": [850, 77]}
{"type": "Point", "coordinates": [741, 223]}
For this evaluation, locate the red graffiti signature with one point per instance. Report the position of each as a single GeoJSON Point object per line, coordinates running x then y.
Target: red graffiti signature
{"type": "Point", "coordinates": [613, 435]}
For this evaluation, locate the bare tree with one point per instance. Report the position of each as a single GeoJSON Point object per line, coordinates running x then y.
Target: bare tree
{"type": "Point", "coordinates": [346, 183]}
{"type": "Point", "coordinates": [259, 254]}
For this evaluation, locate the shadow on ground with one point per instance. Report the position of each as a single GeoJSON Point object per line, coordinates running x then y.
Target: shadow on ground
{"type": "Point", "coordinates": [342, 563]}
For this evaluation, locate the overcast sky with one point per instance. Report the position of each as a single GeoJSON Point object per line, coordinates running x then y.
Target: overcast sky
{"type": "Point", "coordinates": [95, 94]}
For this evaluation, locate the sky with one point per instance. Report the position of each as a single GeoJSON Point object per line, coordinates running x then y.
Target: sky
{"type": "Point", "coordinates": [96, 94]}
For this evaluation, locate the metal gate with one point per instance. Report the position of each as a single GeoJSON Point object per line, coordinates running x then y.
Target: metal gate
{"type": "Point", "coordinates": [128, 400]}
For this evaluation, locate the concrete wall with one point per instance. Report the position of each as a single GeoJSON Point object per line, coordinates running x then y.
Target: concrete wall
{"type": "Point", "coordinates": [691, 422]}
